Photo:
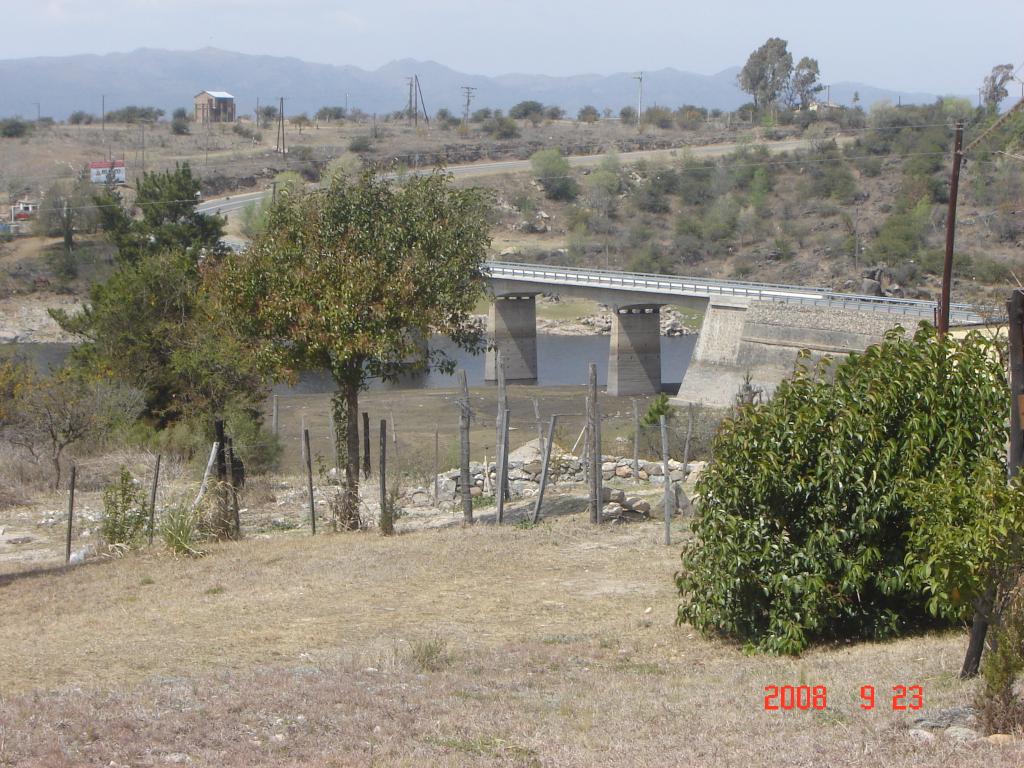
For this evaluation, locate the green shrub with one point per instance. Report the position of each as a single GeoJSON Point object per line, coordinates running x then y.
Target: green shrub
{"type": "Point", "coordinates": [125, 512]}
{"type": "Point", "coordinates": [811, 498]}
{"type": "Point", "coordinates": [659, 407]}
{"type": "Point", "coordinates": [360, 144]}
{"type": "Point", "coordinates": [552, 171]}
{"type": "Point", "coordinates": [246, 131]}
{"type": "Point", "coordinates": [181, 530]}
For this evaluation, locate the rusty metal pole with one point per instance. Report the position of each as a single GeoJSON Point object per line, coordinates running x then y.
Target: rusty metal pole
{"type": "Point", "coordinates": [947, 267]}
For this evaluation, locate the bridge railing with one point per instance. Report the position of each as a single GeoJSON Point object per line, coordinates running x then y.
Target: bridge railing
{"type": "Point", "coordinates": [690, 286]}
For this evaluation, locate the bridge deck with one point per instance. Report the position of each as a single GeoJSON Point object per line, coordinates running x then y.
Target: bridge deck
{"type": "Point", "coordinates": [666, 285]}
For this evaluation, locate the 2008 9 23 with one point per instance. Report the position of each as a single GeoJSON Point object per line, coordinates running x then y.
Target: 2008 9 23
{"type": "Point", "coordinates": [806, 697]}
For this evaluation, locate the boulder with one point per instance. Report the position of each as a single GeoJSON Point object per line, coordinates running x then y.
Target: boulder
{"type": "Point", "coordinates": [617, 495]}
{"type": "Point", "coordinates": [869, 287]}
{"type": "Point", "coordinates": [624, 471]}
{"type": "Point", "coordinates": [608, 466]}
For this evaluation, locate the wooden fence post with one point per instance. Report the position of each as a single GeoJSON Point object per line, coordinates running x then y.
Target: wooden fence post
{"type": "Point", "coordinates": [593, 458]}
{"type": "Point", "coordinates": [689, 433]}
{"type": "Point", "coordinates": [544, 467]}
{"type": "Point", "coordinates": [387, 522]}
{"type": "Point", "coordinates": [437, 444]}
{"type": "Point", "coordinates": [152, 499]}
{"type": "Point", "coordinates": [309, 482]}
{"type": "Point", "coordinates": [502, 407]}
{"type": "Point", "coordinates": [71, 513]}
{"type": "Point", "coordinates": [502, 465]}
{"type": "Point", "coordinates": [636, 443]}
{"type": "Point", "coordinates": [464, 477]}
{"type": "Point", "coordinates": [232, 488]}
{"type": "Point", "coordinates": [669, 496]}
{"type": "Point", "coordinates": [274, 414]}
{"type": "Point", "coordinates": [334, 442]}
{"type": "Point", "coordinates": [366, 445]}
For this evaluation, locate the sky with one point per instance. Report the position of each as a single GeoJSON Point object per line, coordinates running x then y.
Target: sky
{"type": "Point", "coordinates": [936, 46]}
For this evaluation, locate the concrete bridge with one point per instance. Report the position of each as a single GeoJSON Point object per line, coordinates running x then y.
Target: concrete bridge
{"type": "Point", "coordinates": [754, 328]}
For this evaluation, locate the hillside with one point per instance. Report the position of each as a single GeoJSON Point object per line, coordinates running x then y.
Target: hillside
{"type": "Point", "coordinates": [861, 210]}
{"type": "Point", "coordinates": [169, 79]}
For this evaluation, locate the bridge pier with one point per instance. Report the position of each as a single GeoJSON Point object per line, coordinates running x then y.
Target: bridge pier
{"type": "Point", "coordinates": [512, 328]}
{"type": "Point", "coordinates": [634, 357]}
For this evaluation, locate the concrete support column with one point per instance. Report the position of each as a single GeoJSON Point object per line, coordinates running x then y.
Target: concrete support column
{"type": "Point", "coordinates": [634, 362]}
{"type": "Point", "coordinates": [512, 328]}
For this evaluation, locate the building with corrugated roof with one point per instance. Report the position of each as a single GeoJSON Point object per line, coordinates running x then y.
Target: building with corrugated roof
{"type": "Point", "coordinates": [214, 107]}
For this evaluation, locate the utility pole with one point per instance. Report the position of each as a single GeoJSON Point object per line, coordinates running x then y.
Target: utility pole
{"type": "Point", "coordinates": [416, 100]}
{"type": "Point", "coordinates": [103, 113]}
{"type": "Point", "coordinates": [257, 120]}
{"type": "Point", "coordinates": [280, 127]}
{"type": "Point", "coordinates": [468, 90]}
{"type": "Point", "coordinates": [408, 111]}
{"type": "Point", "coordinates": [422, 101]}
{"type": "Point", "coordinates": [947, 267]}
{"type": "Point", "coordinates": [639, 98]}
{"type": "Point", "coordinates": [143, 124]}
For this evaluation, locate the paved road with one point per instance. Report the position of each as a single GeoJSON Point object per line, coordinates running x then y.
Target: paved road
{"type": "Point", "coordinates": [232, 203]}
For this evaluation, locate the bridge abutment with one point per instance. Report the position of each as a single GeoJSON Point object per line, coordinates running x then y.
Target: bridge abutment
{"type": "Point", "coordinates": [512, 328]}
{"type": "Point", "coordinates": [634, 356]}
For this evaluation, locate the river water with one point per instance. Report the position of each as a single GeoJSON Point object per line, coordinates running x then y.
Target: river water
{"type": "Point", "coordinates": [561, 360]}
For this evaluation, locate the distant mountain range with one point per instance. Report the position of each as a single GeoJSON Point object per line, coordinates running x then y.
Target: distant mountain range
{"type": "Point", "coordinates": [170, 79]}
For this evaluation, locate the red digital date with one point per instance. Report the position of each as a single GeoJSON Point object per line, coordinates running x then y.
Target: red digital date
{"type": "Point", "coordinates": [789, 697]}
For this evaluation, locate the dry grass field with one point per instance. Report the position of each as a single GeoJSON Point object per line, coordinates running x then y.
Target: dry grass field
{"type": "Point", "coordinates": [546, 646]}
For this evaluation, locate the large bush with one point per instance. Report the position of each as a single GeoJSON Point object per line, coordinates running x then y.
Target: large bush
{"type": "Point", "coordinates": [811, 499]}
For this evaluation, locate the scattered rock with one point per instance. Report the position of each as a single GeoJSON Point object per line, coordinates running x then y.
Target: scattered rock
{"type": "Point", "coordinates": [869, 287]}
{"type": "Point", "coordinates": [961, 734]}
{"type": "Point", "coordinates": [964, 716]}
{"type": "Point", "coordinates": [921, 736]}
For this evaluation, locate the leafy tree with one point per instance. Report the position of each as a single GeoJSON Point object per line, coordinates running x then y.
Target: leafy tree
{"type": "Point", "coordinates": [446, 119]}
{"type": "Point", "coordinates": [301, 121]}
{"type": "Point", "coordinates": [627, 115]}
{"type": "Point", "coordinates": [588, 114]}
{"type": "Point", "coordinates": [80, 117]}
{"type": "Point", "coordinates": [169, 220]}
{"type": "Point", "coordinates": [54, 413]}
{"type": "Point", "coordinates": [604, 185]}
{"type": "Point", "coordinates": [554, 113]}
{"type": "Point", "coordinates": [813, 525]}
{"type": "Point", "coordinates": [501, 127]}
{"type": "Point", "coordinates": [267, 115]}
{"type": "Point", "coordinates": [350, 277]}
{"type": "Point", "coordinates": [134, 114]}
{"type": "Point", "coordinates": [804, 85]}
{"type": "Point", "coordinates": [552, 171]}
{"type": "Point", "coordinates": [67, 208]}
{"type": "Point", "coordinates": [660, 406]}
{"type": "Point", "coordinates": [659, 116]}
{"type": "Point", "coordinates": [993, 90]}
{"type": "Point", "coordinates": [527, 110]}
{"type": "Point", "coordinates": [481, 115]}
{"type": "Point", "coordinates": [330, 113]}
{"type": "Point", "coordinates": [152, 326]}
{"type": "Point", "coordinates": [766, 73]}
{"type": "Point", "coordinates": [180, 122]}
{"type": "Point", "coordinates": [14, 128]}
